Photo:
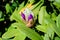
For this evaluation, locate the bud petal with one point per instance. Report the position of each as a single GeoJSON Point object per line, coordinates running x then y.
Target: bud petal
{"type": "Point", "coordinates": [30, 17]}
{"type": "Point", "coordinates": [23, 15]}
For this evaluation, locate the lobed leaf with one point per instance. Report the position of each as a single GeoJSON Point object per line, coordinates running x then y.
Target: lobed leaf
{"type": "Point", "coordinates": [29, 32]}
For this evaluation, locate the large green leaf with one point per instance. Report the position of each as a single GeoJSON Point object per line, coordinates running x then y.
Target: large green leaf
{"type": "Point", "coordinates": [45, 20]}
{"type": "Point", "coordinates": [29, 32]}
{"type": "Point", "coordinates": [16, 15]}
{"type": "Point", "coordinates": [55, 28]}
{"type": "Point", "coordinates": [46, 29]}
{"type": "Point", "coordinates": [43, 15]}
{"type": "Point", "coordinates": [16, 33]}
{"type": "Point", "coordinates": [21, 29]}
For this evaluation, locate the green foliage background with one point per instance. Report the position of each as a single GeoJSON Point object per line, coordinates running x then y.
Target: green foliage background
{"type": "Point", "coordinates": [47, 20]}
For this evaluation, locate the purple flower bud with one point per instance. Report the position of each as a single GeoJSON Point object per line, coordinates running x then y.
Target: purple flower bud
{"type": "Point", "coordinates": [23, 15]}
{"type": "Point", "coordinates": [30, 17]}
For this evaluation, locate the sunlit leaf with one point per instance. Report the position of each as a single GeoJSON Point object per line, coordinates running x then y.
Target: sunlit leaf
{"type": "Point", "coordinates": [45, 20]}
{"type": "Point", "coordinates": [46, 37]}
{"type": "Point", "coordinates": [55, 28]}
{"type": "Point", "coordinates": [46, 29]}
{"type": "Point", "coordinates": [8, 8]}
{"type": "Point", "coordinates": [14, 33]}
{"type": "Point", "coordinates": [42, 28]}
{"type": "Point", "coordinates": [29, 32]}
{"type": "Point", "coordinates": [20, 37]}
{"type": "Point", "coordinates": [43, 15]}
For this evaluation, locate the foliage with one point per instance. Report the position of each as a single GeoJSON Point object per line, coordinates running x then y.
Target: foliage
{"type": "Point", "coordinates": [46, 20]}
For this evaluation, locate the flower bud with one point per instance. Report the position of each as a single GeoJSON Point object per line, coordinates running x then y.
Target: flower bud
{"type": "Point", "coordinates": [28, 17]}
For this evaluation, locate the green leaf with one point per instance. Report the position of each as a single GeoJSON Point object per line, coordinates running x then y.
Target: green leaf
{"type": "Point", "coordinates": [45, 20]}
{"type": "Point", "coordinates": [58, 1]}
{"type": "Point", "coordinates": [57, 4]}
{"type": "Point", "coordinates": [16, 15]}
{"type": "Point", "coordinates": [21, 6]}
{"type": "Point", "coordinates": [46, 37]}
{"type": "Point", "coordinates": [16, 33]}
{"type": "Point", "coordinates": [36, 9]}
{"type": "Point", "coordinates": [53, 16]}
{"type": "Point", "coordinates": [50, 32]}
{"type": "Point", "coordinates": [43, 15]}
{"type": "Point", "coordinates": [9, 34]}
{"type": "Point", "coordinates": [21, 30]}
{"type": "Point", "coordinates": [20, 37]}
{"type": "Point", "coordinates": [31, 1]}
{"type": "Point", "coordinates": [46, 29]}
{"type": "Point", "coordinates": [14, 4]}
{"type": "Point", "coordinates": [0, 14]}
{"type": "Point", "coordinates": [29, 32]}
{"type": "Point", "coordinates": [55, 28]}
{"type": "Point", "coordinates": [8, 8]}
{"type": "Point", "coordinates": [58, 21]}
{"type": "Point", "coordinates": [57, 38]}
{"type": "Point", "coordinates": [35, 5]}
{"type": "Point", "coordinates": [42, 28]}
{"type": "Point", "coordinates": [1, 19]}
{"type": "Point", "coordinates": [0, 38]}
